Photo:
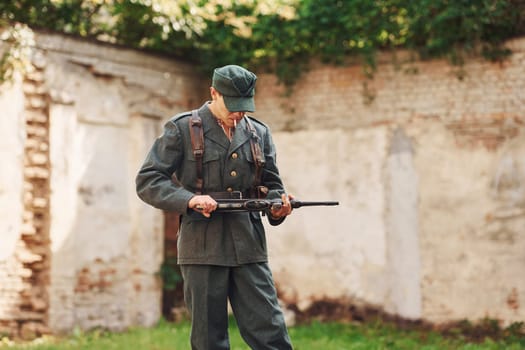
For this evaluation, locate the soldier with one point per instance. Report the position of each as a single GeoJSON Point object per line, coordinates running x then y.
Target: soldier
{"type": "Point", "coordinates": [206, 154]}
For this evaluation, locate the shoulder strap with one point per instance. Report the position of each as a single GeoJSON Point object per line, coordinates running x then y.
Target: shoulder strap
{"type": "Point", "coordinates": [258, 158]}
{"type": "Point", "coordinates": [197, 144]}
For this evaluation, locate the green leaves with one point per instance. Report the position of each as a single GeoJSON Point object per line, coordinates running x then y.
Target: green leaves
{"type": "Point", "coordinates": [16, 57]}
{"type": "Point", "coordinates": [283, 35]}
{"type": "Point", "coordinates": [170, 274]}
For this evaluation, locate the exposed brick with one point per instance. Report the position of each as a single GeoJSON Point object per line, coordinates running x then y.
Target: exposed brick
{"type": "Point", "coordinates": [37, 173]}
{"type": "Point", "coordinates": [27, 282]}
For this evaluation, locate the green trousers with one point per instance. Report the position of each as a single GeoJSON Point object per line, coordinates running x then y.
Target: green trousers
{"type": "Point", "coordinates": [253, 299]}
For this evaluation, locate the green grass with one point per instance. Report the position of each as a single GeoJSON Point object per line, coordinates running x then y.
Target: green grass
{"type": "Point", "coordinates": [316, 335]}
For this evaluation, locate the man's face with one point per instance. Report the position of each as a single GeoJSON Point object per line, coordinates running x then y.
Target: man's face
{"type": "Point", "coordinates": [228, 118]}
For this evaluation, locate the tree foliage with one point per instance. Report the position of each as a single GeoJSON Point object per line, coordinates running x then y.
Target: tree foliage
{"type": "Point", "coordinates": [283, 35]}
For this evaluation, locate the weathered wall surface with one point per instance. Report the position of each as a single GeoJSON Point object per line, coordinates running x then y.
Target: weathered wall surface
{"type": "Point", "coordinates": [25, 258]}
{"type": "Point", "coordinates": [12, 142]}
{"type": "Point", "coordinates": [106, 107]}
{"type": "Point", "coordinates": [431, 179]}
{"type": "Point", "coordinates": [80, 249]}
{"type": "Point", "coordinates": [430, 174]}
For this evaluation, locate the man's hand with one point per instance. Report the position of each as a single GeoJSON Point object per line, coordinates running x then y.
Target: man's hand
{"type": "Point", "coordinates": [203, 204]}
{"type": "Point", "coordinates": [285, 209]}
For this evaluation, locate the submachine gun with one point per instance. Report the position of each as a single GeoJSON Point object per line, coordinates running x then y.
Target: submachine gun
{"type": "Point", "coordinates": [235, 202]}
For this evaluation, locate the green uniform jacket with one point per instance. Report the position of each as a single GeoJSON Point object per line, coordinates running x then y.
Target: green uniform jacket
{"type": "Point", "coordinates": [226, 239]}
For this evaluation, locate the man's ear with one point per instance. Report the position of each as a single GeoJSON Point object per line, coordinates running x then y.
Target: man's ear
{"type": "Point", "coordinates": [214, 93]}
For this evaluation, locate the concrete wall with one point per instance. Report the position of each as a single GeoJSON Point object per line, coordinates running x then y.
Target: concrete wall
{"type": "Point", "coordinates": [427, 163]}
{"type": "Point", "coordinates": [85, 118]}
{"type": "Point", "coordinates": [12, 141]}
{"type": "Point", "coordinates": [107, 106]}
{"type": "Point", "coordinates": [431, 179]}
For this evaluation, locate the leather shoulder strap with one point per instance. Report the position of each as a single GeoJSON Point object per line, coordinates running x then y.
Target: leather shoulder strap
{"type": "Point", "coordinates": [258, 158]}
{"type": "Point", "coordinates": [197, 144]}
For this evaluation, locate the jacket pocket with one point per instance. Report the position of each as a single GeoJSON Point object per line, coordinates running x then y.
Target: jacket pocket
{"type": "Point", "coordinates": [211, 168]}
{"type": "Point", "coordinates": [192, 238]}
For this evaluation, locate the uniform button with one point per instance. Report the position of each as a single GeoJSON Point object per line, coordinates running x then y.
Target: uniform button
{"type": "Point", "coordinates": [234, 155]}
{"type": "Point", "coordinates": [233, 173]}
{"type": "Point", "coordinates": [229, 189]}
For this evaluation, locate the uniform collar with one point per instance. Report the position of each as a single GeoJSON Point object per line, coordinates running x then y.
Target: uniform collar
{"type": "Point", "coordinates": [214, 132]}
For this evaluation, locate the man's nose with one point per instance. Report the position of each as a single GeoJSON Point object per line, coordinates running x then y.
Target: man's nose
{"type": "Point", "coordinates": [238, 115]}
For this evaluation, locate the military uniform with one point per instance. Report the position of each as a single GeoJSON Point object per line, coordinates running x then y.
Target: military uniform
{"type": "Point", "coordinates": [224, 256]}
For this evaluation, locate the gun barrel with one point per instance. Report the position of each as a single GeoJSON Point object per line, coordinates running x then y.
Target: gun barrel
{"type": "Point", "coordinates": [299, 204]}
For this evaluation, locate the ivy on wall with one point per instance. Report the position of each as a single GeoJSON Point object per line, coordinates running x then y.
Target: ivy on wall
{"type": "Point", "coordinates": [16, 55]}
{"type": "Point", "coordinates": [282, 36]}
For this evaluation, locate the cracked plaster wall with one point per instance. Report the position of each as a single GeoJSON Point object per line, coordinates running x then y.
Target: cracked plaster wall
{"type": "Point", "coordinates": [429, 175]}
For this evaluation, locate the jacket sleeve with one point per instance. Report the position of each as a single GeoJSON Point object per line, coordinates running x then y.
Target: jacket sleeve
{"type": "Point", "coordinates": [154, 182]}
{"type": "Point", "coordinates": [270, 175]}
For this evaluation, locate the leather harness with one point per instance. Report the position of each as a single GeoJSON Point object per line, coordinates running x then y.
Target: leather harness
{"type": "Point", "coordinates": [197, 144]}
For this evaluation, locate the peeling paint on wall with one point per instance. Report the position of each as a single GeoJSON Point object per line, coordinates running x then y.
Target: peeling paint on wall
{"type": "Point", "coordinates": [429, 177]}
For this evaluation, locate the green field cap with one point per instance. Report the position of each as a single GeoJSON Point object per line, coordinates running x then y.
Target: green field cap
{"type": "Point", "coordinates": [237, 85]}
